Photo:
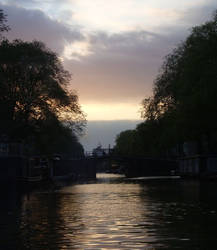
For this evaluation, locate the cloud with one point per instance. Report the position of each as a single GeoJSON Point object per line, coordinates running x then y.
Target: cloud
{"type": "Point", "coordinates": [121, 67]}
{"type": "Point", "coordinates": [114, 65]}
{"type": "Point", "coordinates": [34, 24]}
{"type": "Point", "coordinates": [114, 16]}
{"type": "Point", "coordinates": [117, 15]}
{"type": "Point", "coordinates": [199, 14]}
{"type": "Point", "coordinates": [37, 4]}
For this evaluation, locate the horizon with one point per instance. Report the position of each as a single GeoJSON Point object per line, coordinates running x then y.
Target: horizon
{"type": "Point", "coordinates": [104, 132]}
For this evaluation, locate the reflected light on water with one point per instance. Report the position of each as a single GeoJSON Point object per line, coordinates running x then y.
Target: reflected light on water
{"type": "Point", "coordinates": [108, 214]}
{"type": "Point", "coordinates": [113, 213]}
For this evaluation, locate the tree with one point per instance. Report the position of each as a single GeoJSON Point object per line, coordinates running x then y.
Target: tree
{"type": "Point", "coordinates": [125, 143]}
{"type": "Point", "coordinates": [54, 137]}
{"type": "Point", "coordinates": [184, 96]}
{"type": "Point", "coordinates": [3, 20]}
{"type": "Point", "coordinates": [34, 91]}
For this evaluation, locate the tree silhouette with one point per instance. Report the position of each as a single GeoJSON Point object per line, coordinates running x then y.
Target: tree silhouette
{"type": "Point", "coordinates": [34, 91]}
{"type": "Point", "coordinates": [3, 26]}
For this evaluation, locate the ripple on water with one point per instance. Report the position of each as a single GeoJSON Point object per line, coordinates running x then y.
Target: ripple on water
{"type": "Point", "coordinates": [115, 213]}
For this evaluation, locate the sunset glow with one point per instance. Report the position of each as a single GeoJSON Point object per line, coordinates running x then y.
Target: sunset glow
{"type": "Point", "coordinates": [121, 111]}
{"type": "Point", "coordinates": [113, 49]}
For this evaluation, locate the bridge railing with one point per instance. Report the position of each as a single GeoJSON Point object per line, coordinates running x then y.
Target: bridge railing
{"type": "Point", "coordinates": [104, 152]}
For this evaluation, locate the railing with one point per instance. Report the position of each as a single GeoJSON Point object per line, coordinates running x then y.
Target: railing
{"type": "Point", "coordinates": [101, 153]}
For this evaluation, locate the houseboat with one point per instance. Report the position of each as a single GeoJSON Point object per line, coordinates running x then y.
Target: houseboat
{"type": "Point", "coordinates": [16, 167]}
{"type": "Point", "coordinates": [199, 166]}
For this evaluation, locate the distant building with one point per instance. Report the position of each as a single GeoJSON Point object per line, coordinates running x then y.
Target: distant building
{"type": "Point", "coordinates": [99, 151]}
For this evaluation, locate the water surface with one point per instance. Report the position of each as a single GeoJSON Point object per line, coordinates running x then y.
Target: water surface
{"type": "Point", "coordinates": [112, 213]}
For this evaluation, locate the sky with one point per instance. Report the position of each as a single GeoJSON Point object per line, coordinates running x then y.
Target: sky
{"type": "Point", "coordinates": [104, 132]}
{"type": "Point", "coordinates": [113, 49]}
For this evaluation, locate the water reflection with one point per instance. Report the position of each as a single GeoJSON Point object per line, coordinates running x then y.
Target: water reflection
{"type": "Point", "coordinates": [10, 203]}
{"type": "Point", "coordinates": [112, 213]}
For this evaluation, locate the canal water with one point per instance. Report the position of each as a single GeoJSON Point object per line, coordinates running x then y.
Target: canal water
{"type": "Point", "coordinates": [112, 213]}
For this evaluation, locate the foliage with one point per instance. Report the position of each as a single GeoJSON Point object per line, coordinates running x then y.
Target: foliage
{"type": "Point", "coordinates": [34, 93]}
{"type": "Point", "coordinates": [125, 143]}
{"type": "Point", "coordinates": [58, 139]}
{"type": "Point", "coordinates": [3, 20]}
{"type": "Point", "coordinates": [184, 104]}
{"type": "Point", "coordinates": [185, 90]}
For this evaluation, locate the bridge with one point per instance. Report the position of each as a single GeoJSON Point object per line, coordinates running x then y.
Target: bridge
{"type": "Point", "coordinates": [131, 166]}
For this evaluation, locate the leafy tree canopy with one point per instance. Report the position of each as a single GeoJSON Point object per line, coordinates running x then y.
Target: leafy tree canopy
{"type": "Point", "coordinates": [184, 95]}
{"type": "Point", "coordinates": [3, 20]}
{"type": "Point", "coordinates": [125, 142]}
{"type": "Point", "coordinates": [34, 91]}
{"type": "Point", "coordinates": [184, 104]}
